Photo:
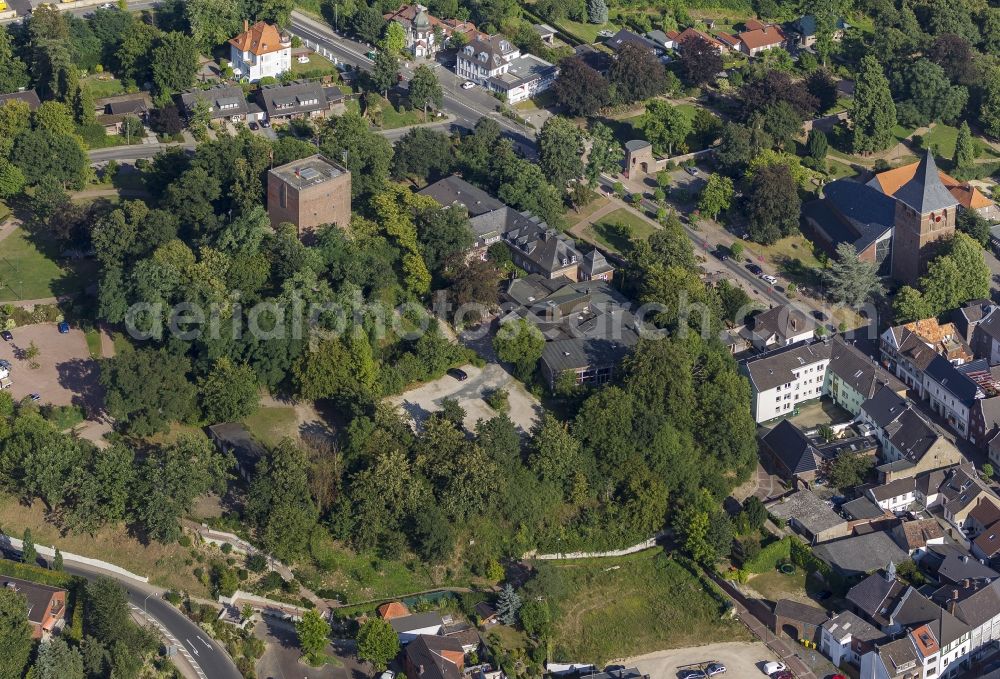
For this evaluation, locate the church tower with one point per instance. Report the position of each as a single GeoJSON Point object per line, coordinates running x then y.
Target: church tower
{"type": "Point", "coordinates": [925, 214]}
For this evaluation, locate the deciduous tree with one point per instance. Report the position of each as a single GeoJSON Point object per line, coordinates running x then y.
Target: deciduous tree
{"type": "Point", "coordinates": [15, 634]}
{"type": "Point", "coordinates": [580, 89]}
{"type": "Point", "coordinates": [312, 630]}
{"type": "Point", "coordinates": [717, 195]}
{"type": "Point", "coordinates": [665, 126]}
{"type": "Point", "coordinates": [377, 643]}
{"type": "Point", "coordinates": [700, 62]}
{"type": "Point", "coordinates": [636, 74]}
{"type": "Point", "coordinates": [521, 343]}
{"type": "Point", "coordinates": [560, 151]}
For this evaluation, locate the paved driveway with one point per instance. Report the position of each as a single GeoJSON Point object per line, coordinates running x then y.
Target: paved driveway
{"type": "Point", "coordinates": [742, 660]}
{"type": "Point", "coordinates": [281, 659]}
{"type": "Point", "coordinates": [66, 375]}
{"type": "Point", "coordinates": [419, 403]}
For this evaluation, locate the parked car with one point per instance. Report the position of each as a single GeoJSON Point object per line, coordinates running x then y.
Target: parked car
{"type": "Point", "coordinates": [754, 269]}
{"type": "Point", "coordinates": [468, 85]}
{"type": "Point", "coordinates": [691, 674]}
{"type": "Point", "coordinates": [774, 667]}
{"type": "Point", "coordinates": [819, 315]}
{"type": "Point", "coordinates": [693, 171]}
{"type": "Point", "coordinates": [769, 278]}
{"type": "Point", "coordinates": [388, 674]}
{"type": "Point", "coordinates": [36, 397]}
{"type": "Point", "coordinates": [63, 328]}
{"type": "Point", "coordinates": [265, 123]}
{"type": "Point", "coordinates": [7, 336]}
{"type": "Point", "coordinates": [715, 668]}
{"type": "Point", "coordinates": [4, 364]}
{"type": "Point", "coordinates": [783, 674]}
{"type": "Point", "coordinates": [458, 374]}
{"type": "Point", "coordinates": [721, 253]}
{"type": "Point", "coordinates": [253, 125]}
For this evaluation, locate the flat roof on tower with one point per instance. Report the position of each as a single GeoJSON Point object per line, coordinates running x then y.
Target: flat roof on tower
{"type": "Point", "coordinates": [310, 171]}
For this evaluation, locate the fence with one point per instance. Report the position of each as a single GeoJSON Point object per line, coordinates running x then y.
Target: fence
{"type": "Point", "coordinates": [7, 541]}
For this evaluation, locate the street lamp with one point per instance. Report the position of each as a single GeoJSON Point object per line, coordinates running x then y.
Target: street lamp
{"type": "Point", "coordinates": [144, 603]}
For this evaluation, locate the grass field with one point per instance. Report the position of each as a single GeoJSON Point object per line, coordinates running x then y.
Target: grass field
{"type": "Point", "coordinates": [586, 32]}
{"type": "Point", "coordinates": [318, 66]}
{"type": "Point", "coordinates": [941, 139]}
{"type": "Point", "coordinates": [626, 129]}
{"type": "Point", "coordinates": [28, 272]}
{"type": "Point", "coordinates": [93, 338]}
{"type": "Point", "coordinates": [270, 425]}
{"type": "Point", "coordinates": [605, 233]}
{"type": "Point", "coordinates": [103, 85]}
{"type": "Point", "coordinates": [166, 565]}
{"type": "Point", "coordinates": [612, 608]}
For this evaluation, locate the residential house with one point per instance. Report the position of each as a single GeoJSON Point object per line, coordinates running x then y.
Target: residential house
{"type": "Point", "coordinates": [984, 421]}
{"type": "Point", "coordinates": [845, 637]}
{"type": "Point", "coordinates": [665, 41]}
{"type": "Point", "coordinates": [860, 554]}
{"type": "Point", "coordinates": [587, 325]}
{"type": "Point", "coordinates": [232, 438]}
{"type": "Point", "coordinates": [908, 350]}
{"type": "Point", "coordinates": [804, 29]}
{"type": "Point", "coordinates": [877, 595]}
{"type": "Point", "coordinates": [46, 606]}
{"type": "Point", "coordinates": [783, 378]}
{"type": "Point", "coordinates": [425, 34]}
{"type": "Point", "coordinates": [729, 41]}
{"type": "Point", "coordinates": [486, 614]}
{"type": "Point", "coordinates": [392, 609]}
{"type": "Point", "coordinates": [626, 37]}
{"type": "Point", "coordinates": [758, 40]}
{"type": "Point", "coordinates": [779, 326]}
{"type": "Point", "coordinates": [595, 266]}
{"type": "Point", "coordinates": [29, 97]}
{"type": "Point", "coordinates": [222, 102]}
{"type": "Point", "coordinates": [260, 51]}
{"type": "Point", "coordinates": [793, 454]}
{"type": "Point", "coordinates": [485, 58]}
{"type": "Point", "coordinates": [959, 494]}
{"type": "Point", "coordinates": [977, 604]}
{"type": "Point", "coordinates": [5, 381]}
{"type": "Point", "coordinates": [968, 316]}
{"type": "Point", "coordinates": [410, 627]}
{"type": "Point", "coordinates": [895, 496]}
{"type": "Point", "coordinates": [952, 391]}
{"type": "Point", "coordinates": [809, 516]}
{"type": "Point", "coordinates": [906, 437]}
{"type": "Point", "coordinates": [488, 216]}
{"type": "Point", "coordinates": [300, 99]}
{"type": "Point", "coordinates": [950, 565]}
{"type": "Point", "coordinates": [694, 34]}
{"type": "Point", "coordinates": [852, 377]}
{"type": "Point", "coordinates": [863, 511]}
{"type": "Point", "coordinates": [985, 519]}
{"type": "Point", "coordinates": [435, 657]}
{"type": "Point", "coordinates": [915, 536]}
{"type": "Point", "coordinates": [112, 111]}
{"type": "Point", "coordinates": [537, 248]}
{"type": "Point", "coordinates": [986, 337]}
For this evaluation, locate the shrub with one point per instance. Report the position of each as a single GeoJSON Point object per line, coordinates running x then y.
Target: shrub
{"type": "Point", "coordinates": [173, 597]}
{"type": "Point", "coordinates": [184, 540]}
{"type": "Point", "coordinates": [226, 548]}
{"type": "Point", "coordinates": [257, 562]}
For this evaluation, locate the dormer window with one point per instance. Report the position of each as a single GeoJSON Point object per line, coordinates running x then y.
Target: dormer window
{"type": "Point", "coordinates": [469, 49]}
{"type": "Point", "coordinates": [504, 45]}
{"type": "Point", "coordinates": [483, 56]}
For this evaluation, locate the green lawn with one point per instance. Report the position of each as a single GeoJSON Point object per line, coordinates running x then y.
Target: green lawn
{"type": "Point", "coordinates": [607, 232]}
{"type": "Point", "coordinates": [586, 32]}
{"type": "Point", "coordinates": [103, 85]}
{"type": "Point", "coordinates": [614, 608]}
{"type": "Point", "coordinates": [27, 272]}
{"type": "Point", "coordinates": [792, 256]}
{"type": "Point", "coordinates": [270, 425]}
{"type": "Point", "coordinates": [942, 140]}
{"type": "Point", "coordinates": [317, 67]}
{"type": "Point", "coordinates": [93, 338]}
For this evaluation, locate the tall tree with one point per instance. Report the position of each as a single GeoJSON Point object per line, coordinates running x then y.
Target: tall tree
{"type": "Point", "coordinates": [519, 342]}
{"type": "Point", "coordinates": [58, 660]}
{"type": "Point", "coordinates": [665, 126]}
{"type": "Point", "coordinates": [15, 634]}
{"type": "Point", "coordinates": [313, 632]}
{"type": "Point", "coordinates": [229, 392]}
{"type": "Point", "coordinates": [850, 280]}
{"type": "Point", "coordinates": [605, 155]}
{"type": "Point", "coordinates": [636, 74]}
{"type": "Point", "coordinates": [773, 204]}
{"type": "Point", "coordinates": [700, 62]}
{"type": "Point", "coordinates": [717, 195]}
{"type": "Point", "coordinates": [130, 400]}
{"type": "Point", "coordinates": [965, 148]}
{"type": "Point", "coordinates": [560, 150]}
{"type": "Point", "coordinates": [989, 108]}
{"type": "Point", "coordinates": [377, 643]}
{"type": "Point", "coordinates": [280, 504]}
{"type": "Point", "coordinates": [425, 90]}
{"type": "Point", "coordinates": [508, 605]}
{"type": "Point", "coordinates": [580, 89]}
{"type": "Point", "coordinates": [873, 113]}
{"type": "Point", "coordinates": [174, 64]}
{"type": "Point", "coordinates": [368, 154]}
{"type": "Point", "coordinates": [13, 71]}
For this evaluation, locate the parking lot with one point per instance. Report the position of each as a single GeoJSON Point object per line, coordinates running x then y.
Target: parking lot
{"type": "Point", "coordinates": [742, 660]}
{"type": "Point", "coordinates": [281, 660]}
{"type": "Point", "coordinates": [66, 375]}
{"type": "Point", "coordinates": [419, 403]}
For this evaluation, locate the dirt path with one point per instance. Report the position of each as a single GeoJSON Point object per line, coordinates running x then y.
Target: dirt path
{"type": "Point", "coordinates": [7, 227]}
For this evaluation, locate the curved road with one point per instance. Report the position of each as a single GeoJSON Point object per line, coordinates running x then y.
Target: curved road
{"type": "Point", "coordinates": [208, 658]}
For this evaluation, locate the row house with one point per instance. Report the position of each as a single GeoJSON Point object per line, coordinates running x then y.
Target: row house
{"type": "Point", "coordinates": [907, 350]}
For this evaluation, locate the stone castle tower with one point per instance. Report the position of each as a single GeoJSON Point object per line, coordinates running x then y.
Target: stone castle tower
{"type": "Point", "coordinates": [925, 215]}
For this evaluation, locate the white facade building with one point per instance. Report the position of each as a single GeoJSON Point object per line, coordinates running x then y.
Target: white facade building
{"type": "Point", "coordinates": [260, 51]}
{"type": "Point", "coordinates": [783, 378]}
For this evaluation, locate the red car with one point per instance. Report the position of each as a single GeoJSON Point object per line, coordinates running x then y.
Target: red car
{"type": "Point", "coordinates": [783, 674]}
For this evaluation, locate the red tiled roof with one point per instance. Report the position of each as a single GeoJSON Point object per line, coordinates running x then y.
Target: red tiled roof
{"type": "Point", "coordinates": [766, 37]}
{"type": "Point", "coordinates": [261, 38]}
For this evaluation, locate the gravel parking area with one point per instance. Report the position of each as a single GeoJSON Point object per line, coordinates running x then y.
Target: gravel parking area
{"type": "Point", "coordinates": [419, 403]}
{"type": "Point", "coordinates": [742, 660]}
{"type": "Point", "coordinates": [281, 659]}
{"type": "Point", "coordinates": [66, 374]}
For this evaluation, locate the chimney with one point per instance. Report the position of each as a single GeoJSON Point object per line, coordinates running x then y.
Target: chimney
{"type": "Point", "coordinates": [954, 595]}
{"type": "Point", "coordinates": [966, 583]}
{"type": "Point", "coordinates": [246, 25]}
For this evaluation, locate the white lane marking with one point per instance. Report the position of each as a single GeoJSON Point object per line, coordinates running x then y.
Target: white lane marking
{"type": "Point", "coordinates": [170, 637]}
{"type": "Point", "coordinates": [207, 645]}
{"type": "Point", "coordinates": [191, 644]}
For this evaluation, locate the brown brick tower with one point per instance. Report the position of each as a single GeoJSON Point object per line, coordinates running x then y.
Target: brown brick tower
{"type": "Point", "coordinates": [309, 193]}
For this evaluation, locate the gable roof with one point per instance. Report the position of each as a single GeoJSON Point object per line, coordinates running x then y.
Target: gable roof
{"type": "Point", "coordinates": [223, 101]}
{"type": "Point", "coordinates": [896, 488]}
{"type": "Point", "coordinates": [37, 596]}
{"type": "Point", "coordinates": [787, 608]}
{"type": "Point", "coordinates": [428, 655]}
{"type": "Point", "coordinates": [261, 38]}
{"type": "Point", "coordinates": [807, 510]}
{"type": "Point", "coordinates": [861, 553]}
{"type": "Point", "coordinates": [875, 595]}
{"type": "Point", "coordinates": [846, 625]}
{"type": "Point", "coordinates": [29, 97]}
{"type": "Point", "coordinates": [793, 448]}
{"type": "Point", "coordinates": [916, 534]}
{"type": "Point", "coordinates": [918, 185]}
{"type": "Point", "coordinates": [783, 321]}
{"type": "Point", "coordinates": [862, 508]}
{"type": "Point", "coordinates": [415, 621]}
{"type": "Point", "coordinates": [859, 370]}
{"type": "Point", "coordinates": [692, 33]}
{"type": "Point", "coordinates": [945, 373]}
{"type": "Point", "coordinates": [294, 98]}
{"type": "Point", "coordinates": [762, 37]}
{"type": "Point", "coordinates": [776, 367]}
{"type": "Point", "coordinates": [625, 36]}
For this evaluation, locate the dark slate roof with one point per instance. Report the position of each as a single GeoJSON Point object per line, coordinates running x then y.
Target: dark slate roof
{"type": "Point", "coordinates": [872, 594]}
{"type": "Point", "coordinates": [775, 367]}
{"type": "Point", "coordinates": [572, 354]}
{"type": "Point", "coordinates": [547, 248]}
{"type": "Point", "coordinates": [980, 605]}
{"type": "Point", "coordinates": [295, 98]}
{"type": "Point", "coordinates": [944, 372]}
{"type": "Point", "coordinates": [885, 407]}
{"type": "Point", "coordinates": [915, 610]}
{"type": "Point", "coordinates": [905, 428]}
{"type": "Point", "coordinates": [859, 370]}
{"type": "Point", "coordinates": [594, 263]}
{"type": "Point", "coordinates": [862, 508]}
{"type": "Point", "coordinates": [783, 320]}
{"type": "Point", "coordinates": [792, 447]}
{"type": "Point", "coordinates": [869, 212]}
{"type": "Point", "coordinates": [847, 624]}
{"type": "Point", "coordinates": [925, 192]}
{"type": "Point", "coordinates": [223, 101]}
{"type": "Point", "coordinates": [30, 97]}
{"type": "Point", "coordinates": [893, 489]}
{"type": "Point", "coordinates": [37, 596]}
{"type": "Point", "coordinates": [860, 554]}
{"type": "Point", "coordinates": [958, 567]}
{"type": "Point", "coordinates": [408, 623]}
{"type": "Point", "coordinates": [624, 36]}
{"type": "Point", "coordinates": [807, 510]}
{"type": "Point", "coordinates": [786, 608]}
{"type": "Point", "coordinates": [425, 656]}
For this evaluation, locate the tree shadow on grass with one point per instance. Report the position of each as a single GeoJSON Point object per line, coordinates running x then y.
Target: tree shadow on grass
{"type": "Point", "coordinates": [81, 376]}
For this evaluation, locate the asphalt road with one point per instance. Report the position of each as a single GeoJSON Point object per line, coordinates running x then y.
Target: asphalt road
{"type": "Point", "coordinates": [204, 653]}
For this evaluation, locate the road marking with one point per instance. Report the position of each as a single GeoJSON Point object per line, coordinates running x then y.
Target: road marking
{"type": "Point", "coordinates": [207, 645]}
{"type": "Point", "coordinates": [170, 637]}
{"type": "Point", "coordinates": [191, 644]}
